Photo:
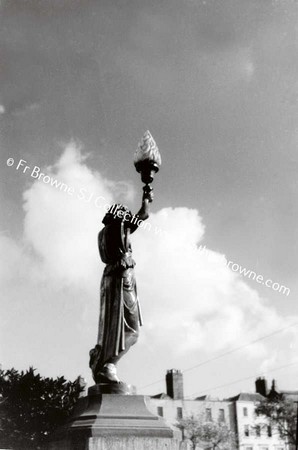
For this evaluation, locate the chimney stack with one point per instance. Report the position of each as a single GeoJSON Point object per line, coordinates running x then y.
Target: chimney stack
{"type": "Point", "coordinates": [273, 386]}
{"type": "Point", "coordinates": [174, 382]}
{"type": "Point", "coordinates": [261, 386]}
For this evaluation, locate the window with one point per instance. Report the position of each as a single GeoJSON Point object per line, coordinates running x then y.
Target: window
{"type": "Point", "coordinates": [248, 448]}
{"type": "Point", "coordinates": [221, 416]}
{"type": "Point", "coordinates": [208, 414]}
{"type": "Point", "coordinates": [258, 430]}
{"type": "Point", "coordinates": [269, 431]}
{"type": "Point", "coordinates": [179, 413]}
{"type": "Point", "coordinates": [245, 412]}
{"type": "Point", "coordinates": [246, 430]}
{"type": "Point", "coordinates": [160, 411]}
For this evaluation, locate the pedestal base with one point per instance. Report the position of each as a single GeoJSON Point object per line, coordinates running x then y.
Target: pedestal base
{"type": "Point", "coordinates": [114, 422]}
{"type": "Point", "coordinates": [117, 443]}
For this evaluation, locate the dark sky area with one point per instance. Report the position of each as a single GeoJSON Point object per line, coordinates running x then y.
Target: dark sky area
{"type": "Point", "coordinates": [216, 83]}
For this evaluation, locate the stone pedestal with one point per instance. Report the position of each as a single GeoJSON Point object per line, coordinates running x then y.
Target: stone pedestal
{"type": "Point", "coordinates": [114, 421]}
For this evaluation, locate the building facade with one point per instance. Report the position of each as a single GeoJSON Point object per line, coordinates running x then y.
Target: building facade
{"type": "Point", "coordinates": [253, 432]}
{"type": "Point", "coordinates": [238, 413]}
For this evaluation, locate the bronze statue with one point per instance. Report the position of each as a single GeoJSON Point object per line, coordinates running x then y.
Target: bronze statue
{"type": "Point", "coordinates": [120, 314]}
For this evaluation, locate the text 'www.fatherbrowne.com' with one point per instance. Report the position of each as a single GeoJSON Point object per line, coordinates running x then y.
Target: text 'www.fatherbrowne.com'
{"type": "Point", "coordinates": [249, 273]}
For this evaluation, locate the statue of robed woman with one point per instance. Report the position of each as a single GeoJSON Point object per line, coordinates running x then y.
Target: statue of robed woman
{"type": "Point", "coordinates": [120, 313]}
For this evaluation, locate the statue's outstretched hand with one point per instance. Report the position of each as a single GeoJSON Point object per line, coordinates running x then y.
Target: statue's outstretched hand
{"type": "Point", "coordinates": [143, 214]}
{"type": "Point", "coordinates": [148, 193]}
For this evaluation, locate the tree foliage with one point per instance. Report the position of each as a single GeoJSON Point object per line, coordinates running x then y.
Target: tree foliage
{"type": "Point", "coordinates": [281, 414]}
{"type": "Point", "coordinates": [207, 434]}
{"type": "Point", "coordinates": [32, 407]}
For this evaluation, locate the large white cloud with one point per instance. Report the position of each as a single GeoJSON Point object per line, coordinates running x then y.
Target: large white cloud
{"type": "Point", "coordinates": [192, 304]}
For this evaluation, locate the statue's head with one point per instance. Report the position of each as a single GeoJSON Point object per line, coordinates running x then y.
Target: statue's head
{"type": "Point", "coordinates": [117, 213]}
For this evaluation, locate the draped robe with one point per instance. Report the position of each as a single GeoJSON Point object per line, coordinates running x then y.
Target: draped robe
{"type": "Point", "coordinates": [119, 305]}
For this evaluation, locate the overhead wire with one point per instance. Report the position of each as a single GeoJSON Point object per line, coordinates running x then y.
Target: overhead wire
{"type": "Point", "coordinates": [233, 350]}
{"type": "Point", "coordinates": [240, 379]}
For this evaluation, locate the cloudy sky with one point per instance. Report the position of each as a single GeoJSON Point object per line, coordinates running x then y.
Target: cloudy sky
{"type": "Point", "coordinates": [215, 81]}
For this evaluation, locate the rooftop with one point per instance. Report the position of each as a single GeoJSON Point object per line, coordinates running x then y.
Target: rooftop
{"type": "Point", "coordinates": [246, 397]}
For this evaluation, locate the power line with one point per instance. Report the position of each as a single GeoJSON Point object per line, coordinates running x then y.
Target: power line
{"type": "Point", "coordinates": [233, 350]}
{"type": "Point", "coordinates": [241, 379]}
{"type": "Point", "coordinates": [240, 347]}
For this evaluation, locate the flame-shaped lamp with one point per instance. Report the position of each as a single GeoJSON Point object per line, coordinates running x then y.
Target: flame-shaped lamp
{"type": "Point", "coordinates": [147, 159]}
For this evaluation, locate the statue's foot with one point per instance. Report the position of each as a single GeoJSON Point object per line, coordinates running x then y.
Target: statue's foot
{"type": "Point", "coordinates": [108, 374]}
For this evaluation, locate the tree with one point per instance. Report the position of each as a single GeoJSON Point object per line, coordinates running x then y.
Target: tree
{"type": "Point", "coordinates": [32, 407]}
{"type": "Point", "coordinates": [281, 414]}
{"type": "Point", "coordinates": [211, 435]}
